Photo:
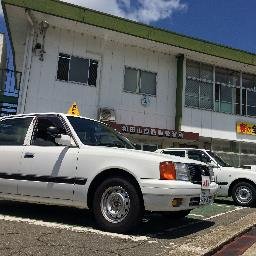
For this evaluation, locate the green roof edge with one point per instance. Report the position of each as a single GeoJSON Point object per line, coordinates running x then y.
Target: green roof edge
{"type": "Point", "coordinates": [95, 18]}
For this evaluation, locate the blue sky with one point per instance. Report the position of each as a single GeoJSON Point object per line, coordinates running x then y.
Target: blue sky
{"type": "Point", "coordinates": [229, 22]}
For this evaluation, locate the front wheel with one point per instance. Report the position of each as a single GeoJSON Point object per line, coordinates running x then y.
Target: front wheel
{"type": "Point", "coordinates": [116, 205]}
{"type": "Point", "coordinates": [244, 194]}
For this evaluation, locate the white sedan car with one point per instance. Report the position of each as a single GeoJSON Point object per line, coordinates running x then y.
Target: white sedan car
{"type": "Point", "coordinates": [65, 160]}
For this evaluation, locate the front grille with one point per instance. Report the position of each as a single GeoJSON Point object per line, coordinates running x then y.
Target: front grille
{"type": "Point", "coordinates": [196, 171]}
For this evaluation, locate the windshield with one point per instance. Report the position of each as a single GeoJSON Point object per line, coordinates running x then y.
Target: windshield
{"type": "Point", "coordinates": [218, 159]}
{"type": "Point", "coordinates": [97, 134]}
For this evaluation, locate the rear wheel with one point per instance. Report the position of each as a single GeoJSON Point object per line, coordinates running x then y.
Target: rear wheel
{"type": "Point", "coordinates": [244, 194]}
{"type": "Point", "coordinates": [116, 205]}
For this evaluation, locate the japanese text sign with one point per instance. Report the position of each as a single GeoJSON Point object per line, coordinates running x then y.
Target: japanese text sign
{"type": "Point", "coordinates": [246, 128]}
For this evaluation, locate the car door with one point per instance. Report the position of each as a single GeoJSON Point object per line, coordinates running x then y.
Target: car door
{"type": "Point", "coordinates": [48, 168]}
{"type": "Point", "coordinates": [12, 137]}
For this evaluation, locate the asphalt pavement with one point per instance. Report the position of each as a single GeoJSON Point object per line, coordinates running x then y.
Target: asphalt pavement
{"type": "Point", "coordinates": [30, 229]}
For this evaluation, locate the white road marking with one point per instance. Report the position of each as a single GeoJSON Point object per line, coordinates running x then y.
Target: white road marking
{"type": "Point", "coordinates": [196, 215]}
{"type": "Point", "coordinates": [72, 228]}
{"type": "Point", "coordinates": [223, 205]}
{"type": "Point", "coordinates": [223, 213]}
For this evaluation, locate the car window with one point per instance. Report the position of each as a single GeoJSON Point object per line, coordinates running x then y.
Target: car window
{"type": "Point", "coordinates": [13, 131]}
{"type": "Point", "coordinates": [175, 153]}
{"type": "Point", "coordinates": [97, 134]}
{"type": "Point", "coordinates": [198, 156]}
{"type": "Point", "coordinates": [41, 137]}
{"type": "Point", "coordinates": [218, 159]}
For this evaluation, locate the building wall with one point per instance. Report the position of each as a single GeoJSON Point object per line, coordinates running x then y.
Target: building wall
{"type": "Point", "coordinates": [45, 93]}
{"type": "Point", "coordinates": [212, 124]}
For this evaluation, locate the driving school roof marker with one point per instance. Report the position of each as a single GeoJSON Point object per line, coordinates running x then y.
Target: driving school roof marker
{"type": "Point", "coordinates": [74, 110]}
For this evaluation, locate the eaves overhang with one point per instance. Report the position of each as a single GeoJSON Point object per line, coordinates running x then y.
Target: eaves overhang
{"type": "Point", "coordinates": [124, 26]}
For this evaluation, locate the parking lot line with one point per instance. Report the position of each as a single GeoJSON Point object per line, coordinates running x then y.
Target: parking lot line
{"type": "Point", "coordinates": [196, 215]}
{"type": "Point", "coordinates": [72, 228]}
{"type": "Point", "coordinates": [223, 213]}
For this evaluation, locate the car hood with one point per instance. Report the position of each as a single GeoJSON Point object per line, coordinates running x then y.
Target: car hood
{"type": "Point", "coordinates": [143, 154]}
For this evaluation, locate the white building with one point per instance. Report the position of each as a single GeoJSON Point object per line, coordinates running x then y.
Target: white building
{"type": "Point", "coordinates": [165, 89]}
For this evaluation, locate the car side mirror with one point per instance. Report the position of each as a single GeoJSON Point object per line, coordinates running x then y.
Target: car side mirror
{"type": "Point", "coordinates": [64, 140]}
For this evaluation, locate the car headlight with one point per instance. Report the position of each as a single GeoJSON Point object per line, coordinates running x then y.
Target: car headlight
{"type": "Point", "coordinates": [182, 172]}
{"type": "Point", "coordinates": [173, 171]}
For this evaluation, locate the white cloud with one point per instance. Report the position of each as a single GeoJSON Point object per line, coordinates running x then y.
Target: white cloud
{"type": "Point", "coordinates": [109, 6]}
{"type": "Point", "coordinates": [145, 11]}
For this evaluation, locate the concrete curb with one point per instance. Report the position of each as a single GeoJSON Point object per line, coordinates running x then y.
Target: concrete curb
{"type": "Point", "coordinates": [210, 242]}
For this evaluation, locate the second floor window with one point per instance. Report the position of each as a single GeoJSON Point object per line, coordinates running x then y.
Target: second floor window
{"type": "Point", "coordinates": [76, 69]}
{"type": "Point", "coordinates": [139, 81]}
{"type": "Point", "coordinates": [199, 89]}
{"type": "Point", "coordinates": [220, 89]}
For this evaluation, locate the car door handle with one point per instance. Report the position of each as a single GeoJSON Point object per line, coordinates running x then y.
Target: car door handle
{"type": "Point", "coordinates": [29, 155]}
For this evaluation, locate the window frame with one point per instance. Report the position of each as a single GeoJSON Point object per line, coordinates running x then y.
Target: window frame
{"type": "Point", "coordinates": [89, 57]}
{"type": "Point", "coordinates": [28, 129]}
{"type": "Point", "coordinates": [138, 87]}
{"type": "Point", "coordinates": [202, 155]}
{"type": "Point", "coordinates": [227, 85]}
{"type": "Point", "coordinates": [238, 108]}
{"type": "Point", "coordinates": [200, 81]}
{"type": "Point", "coordinates": [31, 142]}
{"type": "Point", "coordinates": [246, 89]}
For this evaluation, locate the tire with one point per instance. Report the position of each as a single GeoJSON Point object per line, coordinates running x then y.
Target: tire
{"type": "Point", "coordinates": [117, 206]}
{"type": "Point", "coordinates": [176, 215]}
{"type": "Point", "coordinates": [244, 194]}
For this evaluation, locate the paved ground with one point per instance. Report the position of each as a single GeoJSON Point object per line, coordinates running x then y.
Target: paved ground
{"type": "Point", "coordinates": [242, 245]}
{"type": "Point", "coordinates": [27, 229]}
{"type": "Point", "coordinates": [251, 251]}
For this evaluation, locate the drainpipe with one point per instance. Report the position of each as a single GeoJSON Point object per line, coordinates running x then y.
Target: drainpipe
{"type": "Point", "coordinates": [27, 63]}
{"type": "Point", "coordinates": [179, 92]}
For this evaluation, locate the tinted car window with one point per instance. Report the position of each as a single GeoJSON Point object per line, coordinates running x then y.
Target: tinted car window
{"type": "Point", "coordinates": [218, 159]}
{"type": "Point", "coordinates": [13, 131]}
{"type": "Point", "coordinates": [41, 137]}
{"type": "Point", "coordinates": [198, 156]}
{"type": "Point", "coordinates": [97, 134]}
{"type": "Point", "coordinates": [175, 153]}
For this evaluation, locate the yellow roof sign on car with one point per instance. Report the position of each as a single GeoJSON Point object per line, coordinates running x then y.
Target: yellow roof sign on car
{"type": "Point", "coordinates": [74, 110]}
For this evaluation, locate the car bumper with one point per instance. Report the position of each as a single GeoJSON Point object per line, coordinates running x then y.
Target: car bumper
{"type": "Point", "coordinates": [162, 195]}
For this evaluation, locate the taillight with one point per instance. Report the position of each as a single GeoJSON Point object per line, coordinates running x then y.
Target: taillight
{"type": "Point", "coordinates": [167, 171]}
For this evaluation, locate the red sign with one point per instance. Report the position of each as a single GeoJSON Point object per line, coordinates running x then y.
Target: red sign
{"type": "Point", "coordinates": [132, 129]}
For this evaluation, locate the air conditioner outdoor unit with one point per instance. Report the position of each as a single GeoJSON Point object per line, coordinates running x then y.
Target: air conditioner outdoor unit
{"type": "Point", "coordinates": [106, 114]}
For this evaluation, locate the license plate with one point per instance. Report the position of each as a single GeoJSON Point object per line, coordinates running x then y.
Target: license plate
{"type": "Point", "coordinates": [205, 182]}
{"type": "Point", "coordinates": [205, 197]}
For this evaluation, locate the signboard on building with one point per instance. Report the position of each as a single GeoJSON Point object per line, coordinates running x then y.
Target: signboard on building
{"type": "Point", "coordinates": [246, 128]}
{"type": "Point", "coordinates": [156, 132]}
